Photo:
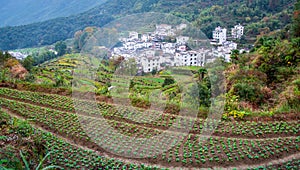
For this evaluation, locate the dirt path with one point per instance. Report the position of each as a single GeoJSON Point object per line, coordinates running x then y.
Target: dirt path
{"type": "Point", "coordinates": [273, 162]}
{"type": "Point", "coordinates": [129, 161]}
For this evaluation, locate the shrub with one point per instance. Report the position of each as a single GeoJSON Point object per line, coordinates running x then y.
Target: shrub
{"type": "Point", "coordinates": [248, 92]}
{"type": "Point", "coordinates": [290, 99]}
{"type": "Point", "coordinates": [168, 81]}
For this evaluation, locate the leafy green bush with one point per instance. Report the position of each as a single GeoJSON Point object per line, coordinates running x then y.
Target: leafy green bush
{"type": "Point", "coordinates": [168, 81]}
{"type": "Point", "coordinates": [4, 118]}
{"type": "Point", "coordinates": [248, 92]}
{"type": "Point", "coordinates": [22, 127]}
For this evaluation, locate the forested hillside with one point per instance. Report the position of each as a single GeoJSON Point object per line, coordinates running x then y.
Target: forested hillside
{"type": "Point", "coordinates": [258, 16]}
{"type": "Point", "coordinates": [20, 12]}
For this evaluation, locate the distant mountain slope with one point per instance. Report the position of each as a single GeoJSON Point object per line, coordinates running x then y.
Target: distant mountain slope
{"type": "Point", "coordinates": [20, 12]}
{"type": "Point", "coordinates": [206, 14]}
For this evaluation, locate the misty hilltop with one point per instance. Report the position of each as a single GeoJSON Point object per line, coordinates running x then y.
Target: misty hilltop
{"type": "Point", "coordinates": [20, 12]}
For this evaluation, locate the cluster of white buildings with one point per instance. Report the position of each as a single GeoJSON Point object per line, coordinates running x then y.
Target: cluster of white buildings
{"type": "Point", "coordinates": [162, 48]}
{"type": "Point", "coordinates": [152, 51]}
{"type": "Point", "coordinates": [223, 48]}
{"type": "Point", "coordinates": [220, 34]}
{"type": "Point", "coordinates": [18, 55]}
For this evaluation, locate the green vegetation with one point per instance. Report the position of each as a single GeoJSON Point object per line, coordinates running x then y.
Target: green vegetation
{"type": "Point", "coordinates": [266, 79]}
{"type": "Point", "coordinates": [30, 11]}
{"type": "Point", "coordinates": [260, 17]}
{"type": "Point", "coordinates": [68, 156]}
{"type": "Point", "coordinates": [260, 122]}
{"type": "Point", "coordinates": [242, 145]}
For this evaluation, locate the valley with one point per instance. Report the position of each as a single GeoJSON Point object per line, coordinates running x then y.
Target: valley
{"type": "Point", "coordinates": [151, 84]}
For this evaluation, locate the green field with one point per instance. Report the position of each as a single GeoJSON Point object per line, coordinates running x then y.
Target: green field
{"type": "Point", "coordinates": [233, 143]}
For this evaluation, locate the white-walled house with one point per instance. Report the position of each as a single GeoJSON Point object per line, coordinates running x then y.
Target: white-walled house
{"type": "Point", "coordinates": [164, 30]}
{"type": "Point", "coordinates": [163, 27]}
{"type": "Point", "coordinates": [181, 48]}
{"type": "Point", "coordinates": [230, 45]}
{"type": "Point", "coordinates": [133, 35]}
{"type": "Point", "coordinates": [182, 39]}
{"type": "Point", "coordinates": [150, 63]}
{"type": "Point", "coordinates": [225, 50]}
{"type": "Point", "coordinates": [129, 45]}
{"type": "Point", "coordinates": [220, 34]}
{"type": "Point", "coordinates": [145, 37]}
{"type": "Point", "coordinates": [237, 31]}
{"type": "Point", "coordinates": [181, 26]}
{"type": "Point", "coordinates": [190, 58]}
{"type": "Point", "coordinates": [148, 60]}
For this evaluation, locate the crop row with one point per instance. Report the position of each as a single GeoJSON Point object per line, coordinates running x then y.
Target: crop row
{"type": "Point", "coordinates": [72, 157]}
{"type": "Point", "coordinates": [290, 164]}
{"type": "Point", "coordinates": [184, 150]}
{"type": "Point", "coordinates": [156, 119]}
{"type": "Point", "coordinates": [58, 121]}
{"type": "Point", "coordinates": [177, 149]}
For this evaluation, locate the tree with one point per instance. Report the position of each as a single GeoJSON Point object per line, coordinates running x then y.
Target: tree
{"type": "Point", "coordinates": [28, 63]}
{"type": "Point", "coordinates": [201, 94]}
{"type": "Point", "coordinates": [154, 71]}
{"type": "Point", "coordinates": [4, 57]}
{"type": "Point", "coordinates": [168, 81]}
{"type": "Point", "coordinates": [61, 48]}
{"type": "Point", "coordinates": [59, 80]}
{"type": "Point", "coordinates": [4, 74]}
{"type": "Point", "coordinates": [128, 67]}
{"type": "Point", "coordinates": [30, 78]}
{"type": "Point", "coordinates": [234, 56]}
{"type": "Point", "coordinates": [201, 73]}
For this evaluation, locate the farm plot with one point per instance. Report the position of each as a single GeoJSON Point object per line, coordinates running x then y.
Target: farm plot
{"type": "Point", "coordinates": [191, 151]}
{"type": "Point", "coordinates": [156, 119]}
{"type": "Point", "coordinates": [71, 156]}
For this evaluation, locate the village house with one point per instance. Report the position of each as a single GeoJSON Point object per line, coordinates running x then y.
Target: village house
{"type": "Point", "coordinates": [190, 58]}
{"type": "Point", "coordinates": [182, 39]}
{"type": "Point", "coordinates": [237, 31]}
{"type": "Point", "coordinates": [181, 26]}
{"type": "Point", "coordinates": [220, 35]}
{"type": "Point", "coordinates": [18, 55]}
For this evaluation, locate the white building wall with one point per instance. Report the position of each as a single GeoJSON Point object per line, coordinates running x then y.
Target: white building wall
{"type": "Point", "coordinates": [237, 31]}
{"type": "Point", "coordinates": [220, 34]}
{"type": "Point", "coordinates": [182, 39]}
{"type": "Point", "coordinates": [190, 58]}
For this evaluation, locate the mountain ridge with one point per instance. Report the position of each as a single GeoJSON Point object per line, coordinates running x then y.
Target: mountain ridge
{"type": "Point", "coordinates": [30, 11]}
{"type": "Point", "coordinates": [205, 14]}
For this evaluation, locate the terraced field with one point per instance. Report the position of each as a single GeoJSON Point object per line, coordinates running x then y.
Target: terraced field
{"type": "Point", "coordinates": [83, 137]}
